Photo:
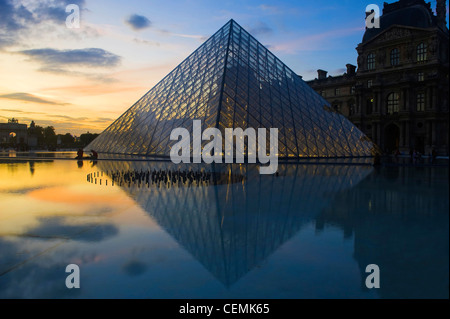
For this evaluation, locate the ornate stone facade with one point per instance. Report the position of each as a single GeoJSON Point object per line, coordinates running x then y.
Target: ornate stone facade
{"type": "Point", "coordinates": [13, 132]}
{"type": "Point", "coordinates": [399, 94]}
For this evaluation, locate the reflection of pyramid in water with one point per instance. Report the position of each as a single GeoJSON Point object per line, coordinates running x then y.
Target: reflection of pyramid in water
{"type": "Point", "coordinates": [233, 81]}
{"type": "Point", "coordinates": [232, 228]}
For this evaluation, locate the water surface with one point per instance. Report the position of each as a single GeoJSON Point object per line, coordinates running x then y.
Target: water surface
{"type": "Point", "coordinates": [309, 232]}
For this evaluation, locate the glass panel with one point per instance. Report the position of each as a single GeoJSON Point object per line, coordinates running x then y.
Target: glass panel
{"type": "Point", "coordinates": [254, 89]}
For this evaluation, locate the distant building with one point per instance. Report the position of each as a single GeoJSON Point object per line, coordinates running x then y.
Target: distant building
{"type": "Point", "coordinates": [338, 90]}
{"type": "Point", "coordinates": [32, 137]}
{"type": "Point", "coordinates": [399, 94]}
{"type": "Point", "coordinates": [13, 133]}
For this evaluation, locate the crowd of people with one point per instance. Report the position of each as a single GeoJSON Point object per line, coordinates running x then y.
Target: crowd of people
{"type": "Point", "coordinates": [168, 177]}
{"type": "Point", "coordinates": [80, 155]}
{"type": "Point", "coordinates": [415, 157]}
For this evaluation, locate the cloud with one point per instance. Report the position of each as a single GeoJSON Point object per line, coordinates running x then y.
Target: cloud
{"type": "Point", "coordinates": [104, 119]}
{"type": "Point", "coordinates": [182, 35]}
{"type": "Point", "coordinates": [269, 8]}
{"type": "Point", "coordinates": [11, 110]}
{"type": "Point", "coordinates": [28, 98]}
{"type": "Point", "coordinates": [146, 42]}
{"type": "Point", "coordinates": [90, 57]}
{"type": "Point", "coordinates": [138, 22]}
{"type": "Point", "coordinates": [259, 28]}
{"type": "Point", "coordinates": [61, 228]}
{"type": "Point", "coordinates": [19, 19]}
{"type": "Point", "coordinates": [60, 61]}
{"type": "Point", "coordinates": [66, 117]}
{"type": "Point", "coordinates": [21, 111]}
{"type": "Point", "coordinates": [55, 10]}
{"type": "Point", "coordinates": [134, 268]}
{"type": "Point", "coordinates": [13, 18]}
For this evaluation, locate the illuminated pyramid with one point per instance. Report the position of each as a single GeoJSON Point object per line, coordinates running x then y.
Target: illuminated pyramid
{"type": "Point", "coordinates": [233, 81]}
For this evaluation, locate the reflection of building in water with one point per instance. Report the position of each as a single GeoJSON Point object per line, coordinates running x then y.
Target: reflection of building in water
{"type": "Point", "coordinates": [400, 223]}
{"type": "Point", "coordinates": [31, 163]}
{"type": "Point", "coordinates": [232, 227]}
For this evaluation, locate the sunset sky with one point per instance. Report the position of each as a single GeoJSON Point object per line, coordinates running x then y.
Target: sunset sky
{"type": "Point", "coordinates": [80, 80]}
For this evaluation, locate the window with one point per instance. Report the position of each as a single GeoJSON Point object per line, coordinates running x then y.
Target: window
{"type": "Point", "coordinates": [369, 84]}
{"type": "Point", "coordinates": [337, 91]}
{"type": "Point", "coordinates": [371, 61]}
{"type": "Point", "coordinates": [395, 57]}
{"type": "Point", "coordinates": [392, 103]}
{"type": "Point", "coordinates": [352, 90]}
{"type": "Point", "coordinates": [420, 76]}
{"type": "Point", "coordinates": [369, 106]}
{"type": "Point", "coordinates": [421, 52]}
{"type": "Point", "coordinates": [421, 102]}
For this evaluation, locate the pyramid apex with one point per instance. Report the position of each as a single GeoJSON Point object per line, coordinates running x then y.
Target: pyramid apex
{"type": "Point", "coordinates": [233, 23]}
{"type": "Point", "coordinates": [232, 81]}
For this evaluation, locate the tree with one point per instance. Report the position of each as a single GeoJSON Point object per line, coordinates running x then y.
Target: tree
{"type": "Point", "coordinates": [50, 136]}
{"type": "Point", "coordinates": [67, 140]}
{"type": "Point", "coordinates": [86, 138]}
{"type": "Point", "coordinates": [37, 131]}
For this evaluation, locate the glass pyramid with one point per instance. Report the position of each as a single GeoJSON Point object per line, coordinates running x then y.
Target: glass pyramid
{"type": "Point", "coordinates": [233, 81]}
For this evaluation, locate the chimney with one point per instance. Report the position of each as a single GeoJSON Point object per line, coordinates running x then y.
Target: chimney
{"type": "Point", "coordinates": [322, 74]}
{"type": "Point", "coordinates": [350, 69]}
{"type": "Point", "coordinates": [441, 13]}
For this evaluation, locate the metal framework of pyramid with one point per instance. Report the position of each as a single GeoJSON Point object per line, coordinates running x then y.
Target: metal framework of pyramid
{"type": "Point", "coordinates": [233, 81]}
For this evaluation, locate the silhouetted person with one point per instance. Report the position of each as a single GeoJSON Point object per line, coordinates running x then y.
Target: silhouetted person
{"type": "Point", "coordinates": [94, 154]}
{"type": "Point", "coordinates": [415, 156]}
{"type": "Point", "coordinates": [80, 154]}
{"type": "Point", "coordinates": [396, 154]}
{"type": "Point", "coordinates": [377, 160]}
{"type": "Point", "coordinates": [433, 155]}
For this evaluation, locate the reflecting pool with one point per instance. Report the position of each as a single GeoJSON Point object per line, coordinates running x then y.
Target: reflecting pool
{"type": "Point", "coordinates": [141, 229]}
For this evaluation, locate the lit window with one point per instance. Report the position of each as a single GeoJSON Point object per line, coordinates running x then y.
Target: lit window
{"type": "Point", "coordinates": [421, 52]}
{"type": "Point", "coordinates": [371, 61]}
{"type": "Point", "coordinates": [420, 76]}
{"type": "Point", "coordinates": [395, 57]}
{"type": "Point", "coordinates": [392, 103]}
{"type": "Point", "coordinates": [421, 102]}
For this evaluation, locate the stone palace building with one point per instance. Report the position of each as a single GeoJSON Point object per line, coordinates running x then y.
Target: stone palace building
{"type": "Point", "coordinates": [398, 93]}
